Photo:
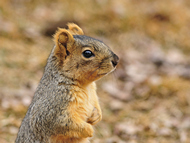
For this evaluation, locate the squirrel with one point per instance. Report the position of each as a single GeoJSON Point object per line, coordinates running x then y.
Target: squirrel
{"type": "Point", "coordinates": [65, 105]}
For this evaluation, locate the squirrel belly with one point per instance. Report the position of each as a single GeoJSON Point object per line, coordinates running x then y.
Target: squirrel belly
{"type": "Point", "coordinates": [81, 105]}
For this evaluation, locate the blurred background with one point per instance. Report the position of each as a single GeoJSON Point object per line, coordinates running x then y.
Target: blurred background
{"type": "Point", "coordinates": [146, 100]}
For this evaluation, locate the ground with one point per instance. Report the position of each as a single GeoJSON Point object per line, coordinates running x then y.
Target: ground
{"type": "Point", "coordinates": [146, 99]}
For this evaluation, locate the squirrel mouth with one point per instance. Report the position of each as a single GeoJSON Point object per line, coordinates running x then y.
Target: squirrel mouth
{"type": "Point", "coordinates": [102, 74]}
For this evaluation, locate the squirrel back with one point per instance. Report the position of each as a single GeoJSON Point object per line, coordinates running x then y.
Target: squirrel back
{"type": "Point", "coordinates": [65, 104]}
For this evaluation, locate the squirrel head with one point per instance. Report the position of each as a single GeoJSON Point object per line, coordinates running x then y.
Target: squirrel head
{"type": "Point", "coordinates": [81, 58]}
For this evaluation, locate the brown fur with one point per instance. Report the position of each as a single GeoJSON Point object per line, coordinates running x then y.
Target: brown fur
{"type": "Point", "coordinates": [65, 104]}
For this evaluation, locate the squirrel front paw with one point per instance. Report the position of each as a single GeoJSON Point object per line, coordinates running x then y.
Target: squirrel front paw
{"type": "Point", "coordinates": [88, 131]}
{"type": "Point", "coordinates": [95, 117]}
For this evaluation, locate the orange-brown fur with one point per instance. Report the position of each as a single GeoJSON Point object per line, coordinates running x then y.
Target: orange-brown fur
{"type": "Point", "coordinates": [84, 107]}
{"type": "Point", "coordinates": [65, 106]}
{"type": "Point", "coordinates": [81, 111]}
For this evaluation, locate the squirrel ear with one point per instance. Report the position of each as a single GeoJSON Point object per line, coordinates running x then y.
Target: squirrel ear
{"type": "Point", "coordinates": [75, 29]}
{"type": "Point", "coordinates": [64, 41]}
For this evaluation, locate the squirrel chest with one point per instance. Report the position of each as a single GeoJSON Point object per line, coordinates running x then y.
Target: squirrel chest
{"type": "Point", "coordinates": [82, 101]}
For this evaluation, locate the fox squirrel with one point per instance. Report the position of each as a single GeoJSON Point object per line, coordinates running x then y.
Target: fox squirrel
{"type": "Point", "coordinates": [65, 104]}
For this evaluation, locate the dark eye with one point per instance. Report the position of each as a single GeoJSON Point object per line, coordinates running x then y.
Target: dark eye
{"type": "Point", "coordinates": [87, 54]}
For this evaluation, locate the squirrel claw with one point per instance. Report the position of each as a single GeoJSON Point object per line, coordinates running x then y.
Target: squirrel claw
{"type": "Point", "coordinates": [95, 117]}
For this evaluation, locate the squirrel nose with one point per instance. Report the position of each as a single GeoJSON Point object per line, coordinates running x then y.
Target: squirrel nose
{"type": "Point", "coordinates": [115, 60]}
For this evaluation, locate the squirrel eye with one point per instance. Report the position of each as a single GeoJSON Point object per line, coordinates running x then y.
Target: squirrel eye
{"type": "Point", "coordinates": [87, 54]}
